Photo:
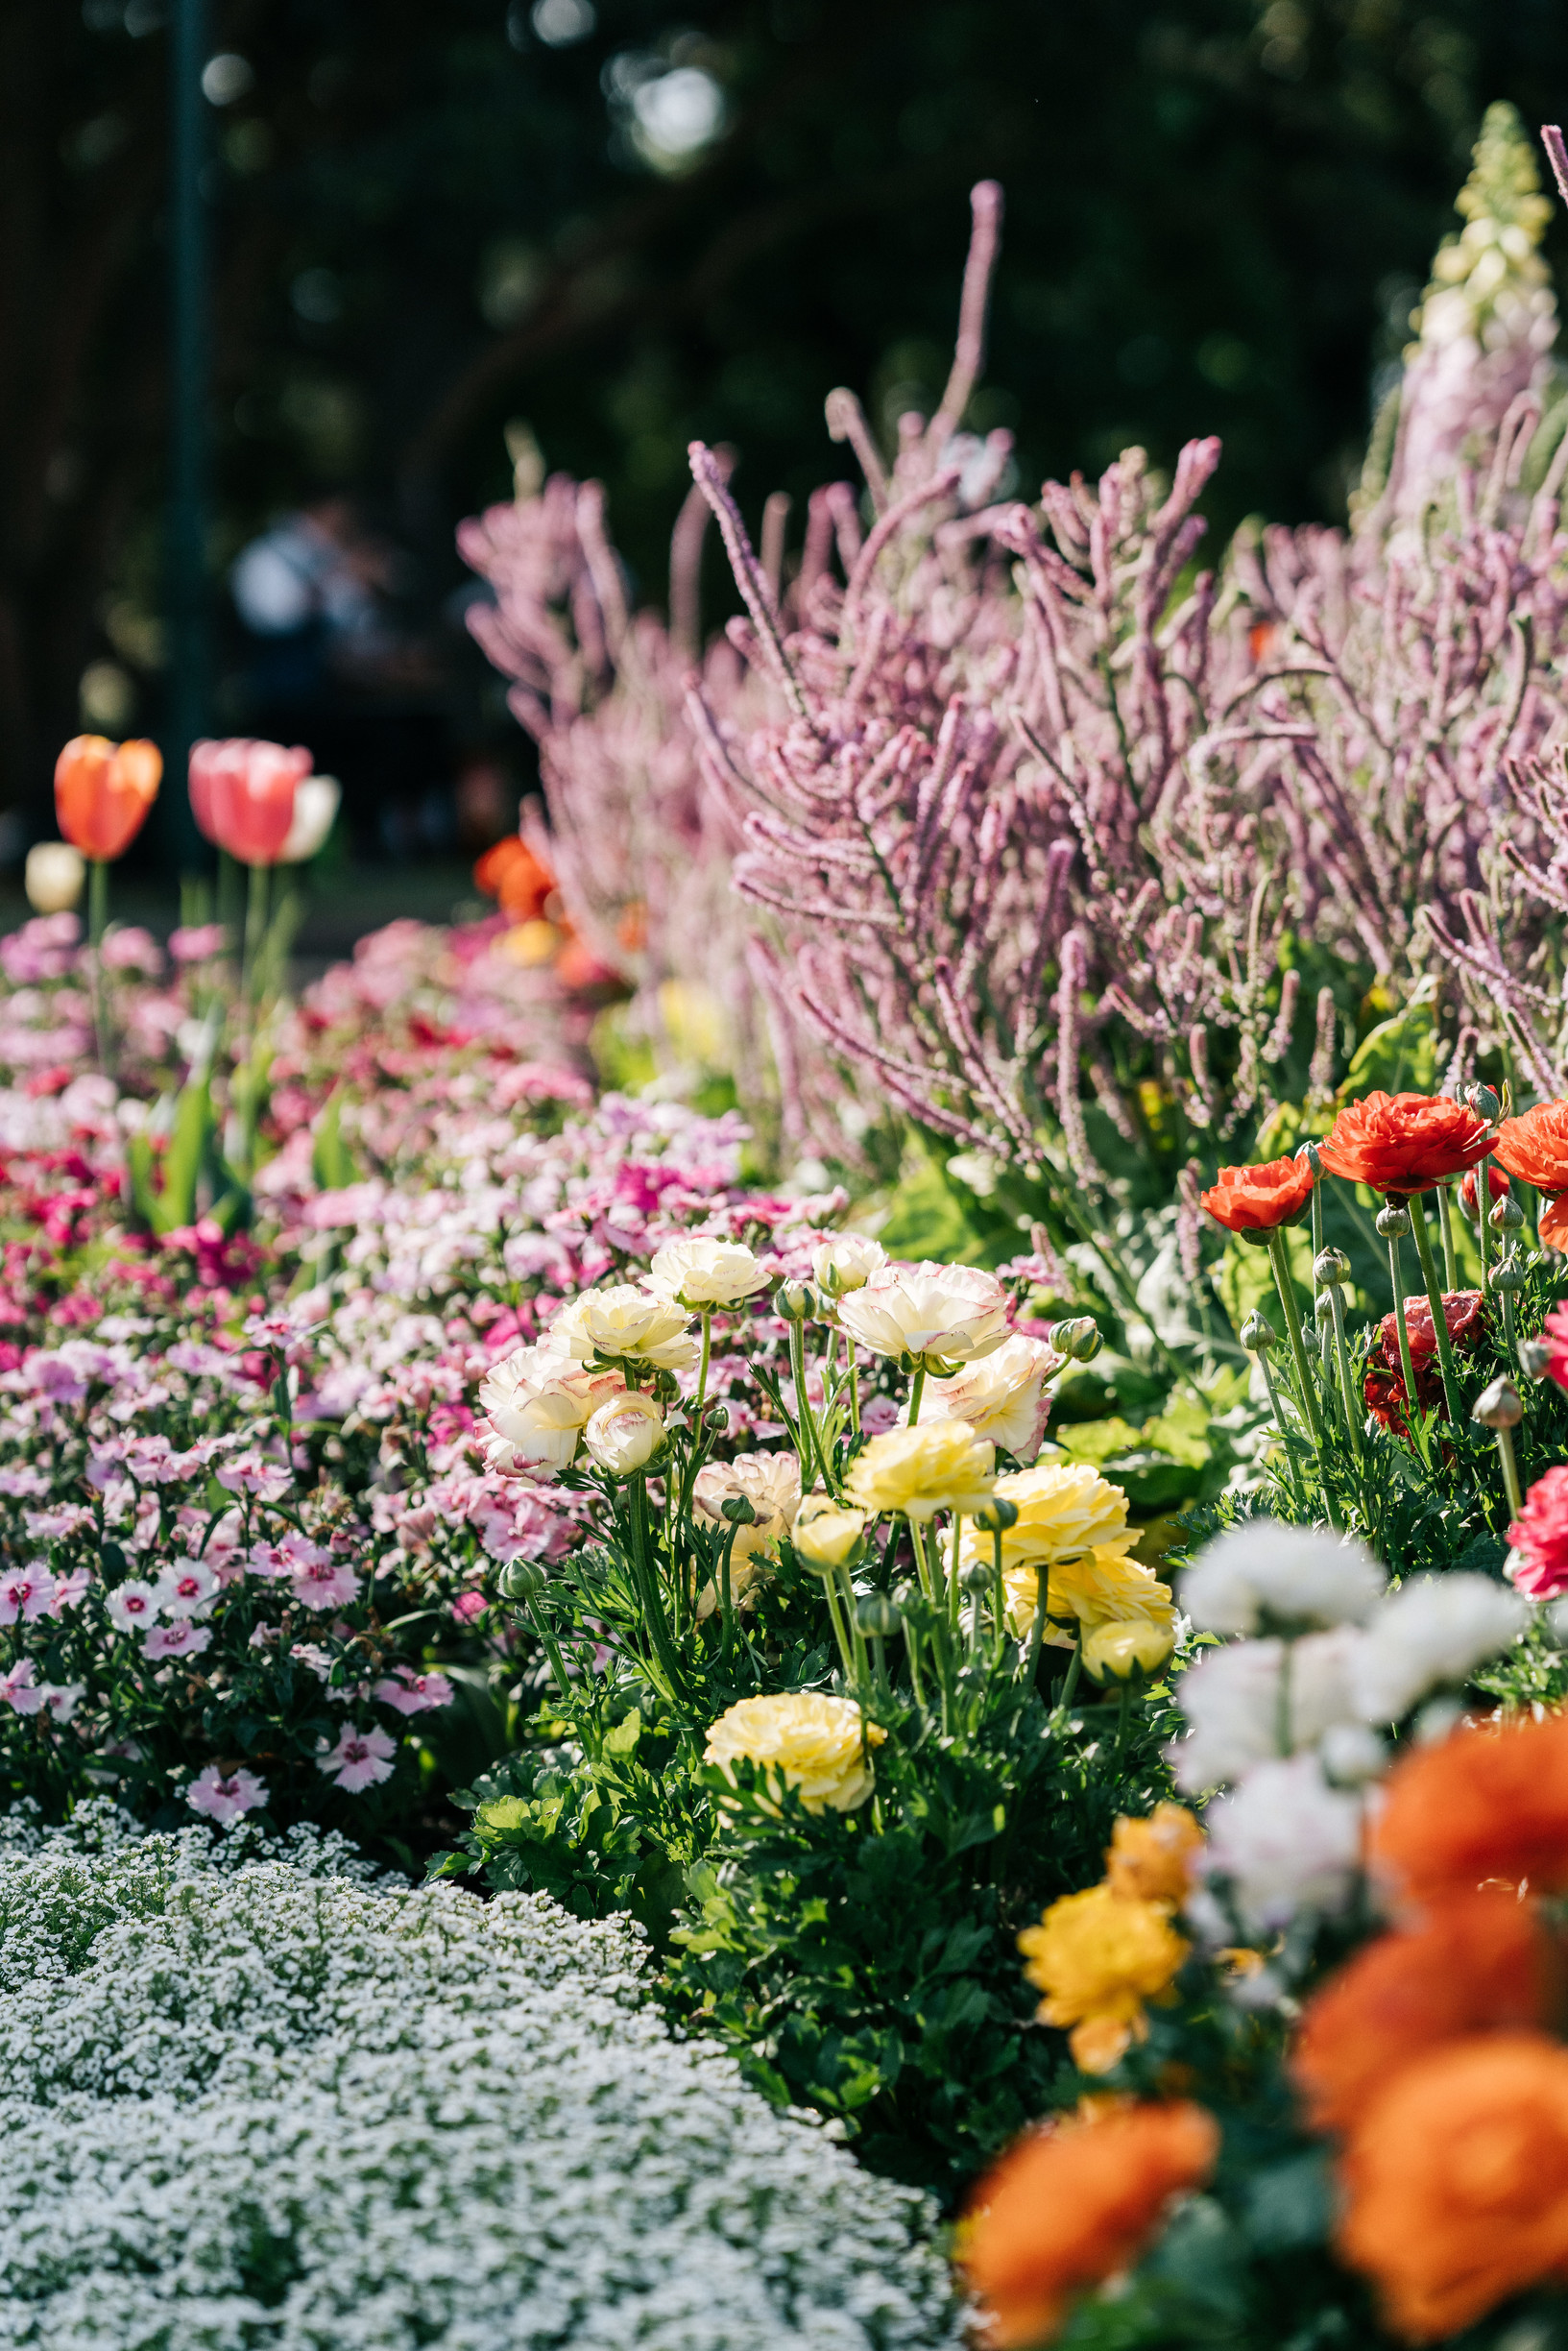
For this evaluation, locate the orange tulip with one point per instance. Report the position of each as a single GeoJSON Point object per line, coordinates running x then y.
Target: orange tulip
{"type": "Point", "coordinates": [103, 791]}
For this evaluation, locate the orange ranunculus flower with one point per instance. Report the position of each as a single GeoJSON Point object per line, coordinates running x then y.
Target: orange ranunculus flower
{"type": "Point", "coordinates": [1477, 1962]}
{"type": "Point", "coordinates": [1534, 1147]}
{"type": "Point", "coordinates": [1404, 1143]}
{"type": "Point", "coordinates": [1484, 1804]}
{"type": "Point", "coordinates": [1457, 2182]}
{"type": "Point", "coordinates": [1554, 1224]}
{"type": "Point", "coordinates": [1068, 2206]}
{"type": "Point", "coordinates": [1152, 1860]}
{"type": "Point", "coordinates": [520, 881]}
{"type": "Point", "coordinates": [1259, 1198]}
{"type": "Point", "coordinates": [103, 791]}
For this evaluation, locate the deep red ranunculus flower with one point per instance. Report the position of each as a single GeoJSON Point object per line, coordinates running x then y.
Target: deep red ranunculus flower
{"type": "Point", "coordinates": [1403, 1143]}
{"type": "Point", "coordinates": [1539, 1535]}
{"type": "Point", "coordinates": [1384, 1388]}
{"type": "Point", "coordinates": [1248, 1199]}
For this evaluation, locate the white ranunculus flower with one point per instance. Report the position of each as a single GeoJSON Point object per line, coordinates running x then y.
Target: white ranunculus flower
{"type": "Point", "coordinates": [53, 877]}
{"type": "Point", "coordinates": [1265, 1570]}
{"type": "Point", "coordinates": [771, 1483]}
{"type": "Point", "coordinates": [626, 1322]}
{"type": "Point", "coordinates": [1431, 1635]}
{"type": "Point", "coordinates": [938, 1315]}
{"type": "Point", "coordinates": [535, 1404]}
{"type": "Point", "coordinates": [624, 1434]}
{"type": "Point", "coordinates": [1287, 1841]}
{"type": "Point", "coordinates": [843, 1261]}
{"type": "Point", "coordinates": [702, 1272]}
{"type": "Point", "coordinates": [1002, 1396]}
{"type": "Point", "coordinates": [1232, 1698]}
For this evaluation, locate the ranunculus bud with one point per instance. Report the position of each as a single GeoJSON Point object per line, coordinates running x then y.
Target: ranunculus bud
{"type": "Point", "coordinates": [53, 877]}
{"type": "Point", "coordinates": [522, 1579]}
{"type": "Point", "coordinates": [624, 1435]}
{"type": "Point", "coordinates": [1311, 1156]}
{"type": "Point", "coordinates": [996, 1517]}
{"type": "Point", "coordinates": [795, 1300]}
{"type": "Point", "coordinates": [824, 1536]}
{"type": "Point", "coordinates": [1484, 1103]}
{"type": "Point", "coordinates": [1257, 1334]}
{"type": "Point", "coordinates": [1534, 1358]}
{"type": "Point", "coordinates": [1394, 1224]}
{"type": "Point", "coordinates": [876, 1617]}
{"type": "Point", "coordinates": [1499, 1406]}
{"type": "Point", "coordinates": [1330, 1265]}
{"type": "Point", "coordinates": [846, 1261]}
{"type": "Point", "coordinates": [738, 1510]}
{"type": "Point", "coordinates": [1510, 1273]}
{"type": "Point", "coordinates": [1507, 1216]}
{"type": "Point", "coordinates": [1323, 1309]}
{"type": "Point", "coordinates": [1077, 1338]}
{"type": "Point", "coordinates": [976, 1578]}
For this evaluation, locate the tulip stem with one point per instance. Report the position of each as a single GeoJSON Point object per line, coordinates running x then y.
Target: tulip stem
{"type": "Point", "coordinates": [256, 930]}
{"type": "Point", "coordinates": [97, 923]}
{"type": "Point", "coordinates": [97, 901]}
{"type": "Point", "coordinates": [1445, 1217]}
{"type": "Point", "coordinates": [1434, 1300]}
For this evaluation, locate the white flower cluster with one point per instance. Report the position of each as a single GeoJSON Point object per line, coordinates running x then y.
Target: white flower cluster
{"type": "Point", "coordinates": [1292, 1723]}
{"type": "Point", "coordinates": [247, 2103]}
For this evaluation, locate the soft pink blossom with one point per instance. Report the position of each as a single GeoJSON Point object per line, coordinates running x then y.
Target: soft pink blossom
{"type": "Point", "coordinates": [225, 1798]}
{"type": "Point", "coordinates": [412, 1693]}
{"type": "Point", "coordinates": [186, 1588]}
{"type": "Point", "coordinates": [359, 1760]}
{"type": "Point", "coordinates": [326, 1582]}
{"type": "Point", "coordinates": [183, 1638]}
{"type": "Point", "coordinates": [20, 1689]}
{"type": "Point", "coordinates": [26, 1592]}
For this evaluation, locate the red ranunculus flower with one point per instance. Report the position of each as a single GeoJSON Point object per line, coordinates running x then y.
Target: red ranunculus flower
{"type": "Point", "coordinates": [1534, 1147]}
{"type": "Point", "coordinates": [1539, 1535]}
{"type": "Point", "coordinates": [1384, 1383]}
{"type": "Point", "coordinates": [1248, 1199]}
{"type": "Point", "coordinates": [1403, 1143]}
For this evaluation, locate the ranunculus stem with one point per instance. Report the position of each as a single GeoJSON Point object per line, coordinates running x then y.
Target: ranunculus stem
{"type": "Point", "coordinates": [706, 1318]}
{"type": "Point", "coordinates": [917, 1389]}
{"type": "Point", "coordinates": [926, 1584]}
{"type": "Point", "coordinates": [1074, 1668]}
{"type": "Point", "coordinates": [1413, 1408]}
{"type": "Point", "coordinates": [648, 1577]}
{"type": "Point", "coordinates": [853, 1374]}
{"type": "Point", "coordinates": [953, 1571]}
{"type": "Point", "coordinates": [1445, 1217]}
{"type": "Point", "coordinates": [1484, 1203]}
{"type": "Point", "coordinates": [1511, 1470]}
{"type": "Point", "coordinates": [1341, 1350]}
{"type": "Point", "coordinates": [1434, 1300]}
{"type": "Point", "coordinates": [998, 1594]}
{"type": "Point", "coordinates": [1292, 1325]}
{"type": "Point", "coordinates": [811, 1452]}
{"type": "Point", "coordinates": [1037, 1630]}
{"type": "Point", "coordinates": [1296, 1494]}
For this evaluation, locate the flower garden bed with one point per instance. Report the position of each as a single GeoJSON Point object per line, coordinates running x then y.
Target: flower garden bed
{"type": "Point", "coordinates": [907, 1432]}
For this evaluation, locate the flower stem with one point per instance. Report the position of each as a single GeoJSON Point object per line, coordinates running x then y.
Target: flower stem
{"type": "Point", "coordinates": [1413, 1408]}
{"type": "Point", "coordinates": [1292, 1325]}
{"type": "Point", "coordinates": [1484, 1204]}
{"type": "Point", "coordinates": [917, 1389]}
{"type": "Point", "coordinates": [1037, 1630]}
{"type": "Point", "coordinates": [953, 1571]}
{"type": "Point", "coordinates": [1445, 1217]}
{"type": "Point", "coordinates": [922, 1564]}
{"type": "Point", "coordinates": [1342, 1349]}
{"type": "Point", "coordinates": [256, 930]}
{"type": "Point", "coordinates": [998, 1594]}
{"type": "Point", "coordinates": [97, 901]}
{"type": "Point", "coordinates": [854, 1377]}
{"type": "Point", "coordinates": [1511, 1470]}
{"type": "Point", "coordinates": [1296, 1495]}
{"type": "Point", "coordinates": [1074, 1668]}
{"type": "Point", "coordinates": [812, 1454]}
{"type": "Point", "coordinates": [1434, 1300]}
{"type": "Point", "coordinates": [706, 1318]}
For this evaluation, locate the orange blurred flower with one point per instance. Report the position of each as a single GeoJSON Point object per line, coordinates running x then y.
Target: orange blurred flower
{"type": "Point", "coordinates": [1152, 1860]}
{"type": "Point", "coordinates": [1403, 1143]}
{"type": "Point", "coordinates": [103, 791]}
{"type": "Point", "coordinates": [1476, 1962]}
{"type": "Point", "coordinates": [1456, 2180]}
{"type": "Point", "coordinates": [1482, 1806]}
{"type": "Point", "coordinates": [512, 874]}
{"type": "Point", "coordinates": [1534, 1147]}
{"type": "Point", "coordinates": [1068, 2206]}
{"type": "Point", "coordinates": [1260, 1199]}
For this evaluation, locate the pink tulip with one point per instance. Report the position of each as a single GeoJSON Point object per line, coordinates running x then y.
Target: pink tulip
{"type": "Point", "coordinates": [242, 795]}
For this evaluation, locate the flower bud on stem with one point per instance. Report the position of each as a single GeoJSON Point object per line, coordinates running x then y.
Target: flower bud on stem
{"type": "Point", "coordinates": [1501, 1409]}
{"type": "Point", "coordinates": [1393, 1224]}
{"type": "Point", "coordinates": [1284, 1284]}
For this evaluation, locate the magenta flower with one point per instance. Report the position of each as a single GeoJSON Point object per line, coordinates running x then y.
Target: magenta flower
{"type": "Point", "coordinates": [225, 1798]}
{"type": "Point", "coordinates": [359, 1760]}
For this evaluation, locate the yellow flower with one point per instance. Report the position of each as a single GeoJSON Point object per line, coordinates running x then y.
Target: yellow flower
{"type": "Point", "coordinates": [824, 1536]}
{"type": "Point", "coordinates": [1065, 1511]}
{"type": "Point", "coordinates": [1115, 1651]}
{"type": "Point", "coordinates": [820, 1745]}
{"type": "Point", "coordinates": [941, 1464]}
{"type": "Point", "coordinates": [1151, 1859]}
{"type": "Point", "coordinates": [1107, 1587]}
{"type": "Point", "coordinates": [1098, 1957]}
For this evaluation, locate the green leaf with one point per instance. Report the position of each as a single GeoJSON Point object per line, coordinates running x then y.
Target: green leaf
{"type": "Point", "coordinates": [175, 1206]}
{"type": "Point", "coordinates": [331, 1162]}
{"type": "Point", "coordinates": [1400, 1054]}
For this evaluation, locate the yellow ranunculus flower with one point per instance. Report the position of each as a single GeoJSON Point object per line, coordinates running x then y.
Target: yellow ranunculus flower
{"type": "Point", "coordinates": [940, 1464]}
{"type": "Point", "coordinates": [824, 1535]}
{"type": "Point", "coordinates": [1066, 1510]}
{"type": "Point", "coordinates": [1117, 1651]}
{"type": "Point", "coordinates": [820, 1744]}
{"type": "Point", "coordinates": [1107, 1588]}
{"type": "Point", "coordinates": [1152, 1859]}
{"type": "Point", "coordinates": [1098, 1957]}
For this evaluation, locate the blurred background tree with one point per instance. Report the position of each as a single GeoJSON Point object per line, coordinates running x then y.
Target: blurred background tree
{"type": "Point", "coordinates": [627, 223]}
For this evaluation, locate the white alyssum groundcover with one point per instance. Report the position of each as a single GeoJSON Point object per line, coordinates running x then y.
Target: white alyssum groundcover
{"type": "Point", "coordinates": [263, 2103]}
